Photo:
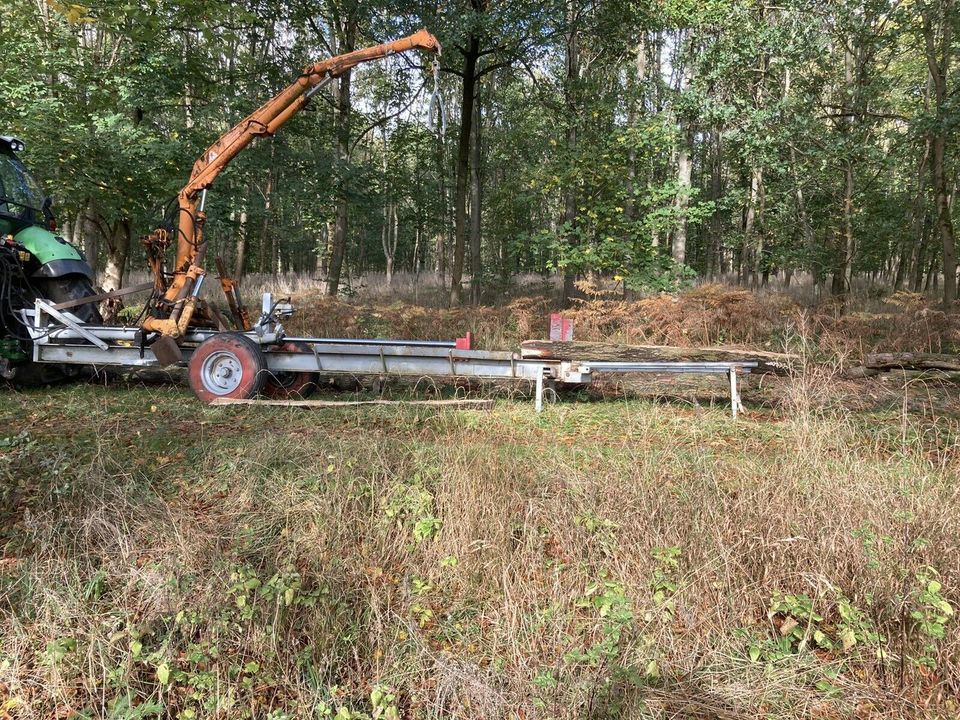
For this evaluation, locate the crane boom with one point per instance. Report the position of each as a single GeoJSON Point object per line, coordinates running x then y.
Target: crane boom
{"type": "Point", "coordinates": [265, 120]}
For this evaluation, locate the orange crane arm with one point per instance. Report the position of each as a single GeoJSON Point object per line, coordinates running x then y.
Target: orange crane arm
{"type": "Point", "coordinates": [266, 120]}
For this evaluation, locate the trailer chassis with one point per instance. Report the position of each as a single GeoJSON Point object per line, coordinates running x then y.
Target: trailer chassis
{"type": "Point", "coordinates": [60, 337]}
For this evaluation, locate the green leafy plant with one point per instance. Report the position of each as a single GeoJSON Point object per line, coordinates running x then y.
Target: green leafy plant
{"type": "Point", "coordinates": [664, 582]}
{"type": "Point", "coordinates": [930, 614]}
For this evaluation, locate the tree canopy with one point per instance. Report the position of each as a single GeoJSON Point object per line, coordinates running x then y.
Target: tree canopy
{"type": "Point", "coordinates": [647, 141]}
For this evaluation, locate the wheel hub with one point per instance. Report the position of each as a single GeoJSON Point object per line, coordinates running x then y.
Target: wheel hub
{"type": "Point", "coordinates": [221, 373]}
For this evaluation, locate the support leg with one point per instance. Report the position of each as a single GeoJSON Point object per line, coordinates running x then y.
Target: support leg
{"type": "Point", "coordinates": [735, 405]}
{"type": "Point", "coordinates": [539, 395]}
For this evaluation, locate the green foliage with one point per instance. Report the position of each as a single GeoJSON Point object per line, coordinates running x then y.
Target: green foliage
{"type": "Point", "coordinates": [614, 610]}
{"type": "Point", "coordinates": [578, 175]}
{"type": "Point", "coordinates": [664, 583]}
{"type": "Point", "coordinates": [930, 612]}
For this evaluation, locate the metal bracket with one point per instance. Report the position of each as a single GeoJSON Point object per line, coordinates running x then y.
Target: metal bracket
{"type": "Point", "coordinates": [65, 319]}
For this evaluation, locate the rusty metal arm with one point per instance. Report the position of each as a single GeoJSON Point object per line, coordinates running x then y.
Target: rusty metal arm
{"type": "Point", "coordinates": [269, 118]}
{"type": "Point", "coordinates": [180, 296]}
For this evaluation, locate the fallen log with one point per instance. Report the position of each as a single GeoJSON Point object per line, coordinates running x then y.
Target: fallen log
{"type": "Point", "coordinates": [767, 362]}
{"type": "Point", "coordinates": [472, 404]}
{"type": "Point", "coordinates": [911, 361]}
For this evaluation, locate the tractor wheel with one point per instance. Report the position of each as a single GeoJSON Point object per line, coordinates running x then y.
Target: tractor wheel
{"type": "Point", "coordinates": [58, 290]}
{"type": "Point", "coordinates": [71, 287]}
{"type": "Point", "coordinates": [227, 365]}
{"type": "Point", "coordinates": [290, 385]}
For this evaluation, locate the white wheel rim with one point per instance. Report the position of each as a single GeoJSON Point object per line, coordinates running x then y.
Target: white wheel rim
{"type": "Point", "coordinates": [221, 372]}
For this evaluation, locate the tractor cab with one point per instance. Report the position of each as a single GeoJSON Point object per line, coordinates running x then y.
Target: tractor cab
{"type": "Point", "coordinates": [22, 202]}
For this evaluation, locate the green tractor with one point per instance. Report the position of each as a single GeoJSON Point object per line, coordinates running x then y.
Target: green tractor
{"type": "Point", "coordinates": [34, 262]}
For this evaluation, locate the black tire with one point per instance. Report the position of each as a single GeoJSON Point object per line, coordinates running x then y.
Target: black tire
{"type": "Point", "coordinates": [58, 290]}
{"type": "Point", "coordinates": [71, 287]}
{"type": "Point", "coordinates": [290, 385]}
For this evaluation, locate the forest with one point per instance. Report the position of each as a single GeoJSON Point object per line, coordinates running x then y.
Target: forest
{"type": "Point", "coordinates": [732, 495]}
{"type": "Point", "coordinates": [649, 143]}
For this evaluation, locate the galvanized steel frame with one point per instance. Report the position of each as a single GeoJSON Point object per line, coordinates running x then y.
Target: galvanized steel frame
{"type": "Point", "coordinates": [72, 342]}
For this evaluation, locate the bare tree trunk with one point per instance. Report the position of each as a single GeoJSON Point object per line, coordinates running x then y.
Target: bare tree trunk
{"type": "Point", "coordinates": [715, 261]}
{"type": "Point", "coordinates": [684, 173]}
{"type": "Point", "coordinates": [470, 56]}
{"type": "Point", "coordinates": [910, 252]}
{"type": "Point", "coordinates": [684, 160]}
{"type": "Point", "coordinates": [321, 263]}
{"type": "Point", "coordinates": [920, 264]}
{"type": "Point", "coordinates": [415, 262]}
{"type": "Point", "coordinates": [849, 241]}
{"type": "Point", "coordinates": [636, 85]}
{"type": "Point", "coordinates": [118, 247]}
{"type": "Point", "coordinates": [939, 53]}
{"type": "Point", "coordinates": [843, 273]}
{"type": "Point", "coordinates": [241, 249]}
{"type": "Point", "coordinates": [571, 92]}
{"type": "Point", "coordinates": [388, 238]}
{"type": "Point", "coordinates": [748, 261]}
{"type": "Point", "coordinates": [343, 117]}
{"type": "Point", "coordinates": [475, 207]}
{"type": "Point", "coordinates": [88, 235]}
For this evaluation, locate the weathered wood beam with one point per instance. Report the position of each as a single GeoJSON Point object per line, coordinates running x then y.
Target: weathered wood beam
{"type": "Point", "coordinates": [767, 362]}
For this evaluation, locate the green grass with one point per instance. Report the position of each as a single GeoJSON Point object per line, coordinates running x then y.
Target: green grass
{"type": "Point", "coordinates": [605, 559]}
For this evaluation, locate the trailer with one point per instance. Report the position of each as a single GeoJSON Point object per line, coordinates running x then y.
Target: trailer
{"type": "Point", "coordinates": [239, 365]}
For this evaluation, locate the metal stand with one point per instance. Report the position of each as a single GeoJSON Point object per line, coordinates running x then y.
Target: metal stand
{"type": "Point", "coordinates": [538, 401]}
{"type": "Point", "coordinates": [735, 405]}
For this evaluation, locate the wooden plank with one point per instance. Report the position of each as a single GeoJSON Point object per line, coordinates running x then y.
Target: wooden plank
{"type": "Point", "coordinates": [143, 287]}
{"type": "Point", "coordinates": [470, 404]}
{"type": "Point", "coordinates": [767, 362]}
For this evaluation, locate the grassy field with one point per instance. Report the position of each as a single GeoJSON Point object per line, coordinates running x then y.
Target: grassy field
{"type": "Point", "coordinates": [623, 558]}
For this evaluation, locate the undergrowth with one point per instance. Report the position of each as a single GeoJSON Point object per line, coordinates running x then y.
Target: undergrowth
{"type": "Point", "coordinates": [709, 315]}
{"type": "Point", "coordinates": [608, 559]}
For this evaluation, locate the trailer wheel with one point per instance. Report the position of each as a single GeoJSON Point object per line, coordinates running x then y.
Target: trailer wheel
{"type": "Point", "coordinates": [227, 365]}
{"type": "Point", "coordinates": [290, 385]}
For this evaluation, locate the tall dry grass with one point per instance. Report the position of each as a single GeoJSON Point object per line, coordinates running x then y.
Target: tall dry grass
{"type": "Point", "coordinates": [415, 307]}
{"type": "Point", "coordinates": [603, 560]}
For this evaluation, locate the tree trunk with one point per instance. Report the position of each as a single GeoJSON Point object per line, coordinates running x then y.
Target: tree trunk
{"type": "Point", "coordinates": [636, 87]}
{"type": "Point", "coordinates": [118, 247]}
{"type": "Point", "coordinates": [241, 249]}
{"type": "Point", "coordinates": [684, 164]}
{"type": "Point", "coordinates": [475, 207]}
{"type": "Point", "coordinates": [715, 261]}
{"type": "Point", "coordinates": [322, 250]}
{"type": "Point", "coordinates": [939, 54]}
{"type": "Point", "coordinates": [912, 361]}
{"type": "Point", "coordinates": [342, 130]}
{"type": "Point", "coordinates": [911, 247]}
{"type": "Point", "coordinates": [470, 57]}
{"type": "Point", "coordinates": [684, 173]}
{"type": "Point", "coordinates": [843, 271]}
{"type": "Point", "coordinates": [748, 260]}
{"type": "Point", "coordinates": [849, 241]}
{"type": "Point", "coordinates": [388, 238]}
{"type": "Point", "coordinates": [571, 91]}
{"type": "Point", "coordinates": [89, 235]}
{"type": "Point", "coordinates": [920, 263]}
